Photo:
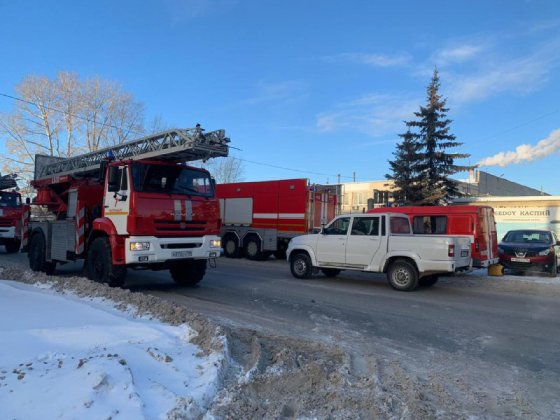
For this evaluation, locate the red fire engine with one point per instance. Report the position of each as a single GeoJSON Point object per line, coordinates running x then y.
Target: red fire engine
{"type": "Point", "coordinates": [11, 210]}
{"type": "Point", "coordinates": [260, 218]}
{"type": "Point", "coordinates": [135, 205]}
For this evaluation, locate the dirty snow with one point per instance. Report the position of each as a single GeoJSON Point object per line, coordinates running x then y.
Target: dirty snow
{"type": "Point", "coordinates": [63, 356]}
{"type": "Point", "coordinates": [72, 348]}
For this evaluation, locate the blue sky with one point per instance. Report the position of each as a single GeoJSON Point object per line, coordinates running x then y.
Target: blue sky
{"type": "Point", "coordinates": [319, 87]}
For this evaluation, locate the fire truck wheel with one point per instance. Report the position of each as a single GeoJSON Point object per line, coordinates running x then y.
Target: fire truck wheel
{"type": "Point", "coordinates": [300, 266]}
{"type": "Point", "coordinates": [99, 264]}
{"type": "Point", "coordinates": [12, 247]}
{"type": "Point", "coordinates": [428, 281]}
{"type": "Point", "coordinates": [36, 255]}
{"type": "Point", "coordinates": [253, 248]}
{"type": "Point", "coordinates": [231, 249]}
{"type": "Point", "coordinates": [188, 273]}
{"type": "Point", "coordinates": [331, 272]}
{"type": "Point", "coordinates": [402, 275]}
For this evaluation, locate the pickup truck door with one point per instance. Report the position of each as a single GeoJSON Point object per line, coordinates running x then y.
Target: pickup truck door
{"type": "Point", "coordinates": [363, 241]}
{"type": "Point", "coordinates": [331, 243]}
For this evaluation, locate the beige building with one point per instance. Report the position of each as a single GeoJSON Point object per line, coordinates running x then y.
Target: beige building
{"type": "Point", "coordinates": [357, 197]}
{"type": "Point", "coordinates": [522, 212]}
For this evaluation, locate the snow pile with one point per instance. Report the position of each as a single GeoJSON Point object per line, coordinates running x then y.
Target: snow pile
{"type": "Point", "coordinates": [67, 357]}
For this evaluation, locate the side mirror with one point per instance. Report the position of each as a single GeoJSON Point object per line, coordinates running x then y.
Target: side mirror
{"type": "Point", "coordinates": [558, 243]}
{"type": "Point", "coordinates": [27, 200]}
{"type": "Point", "coordinates": [113, 181]}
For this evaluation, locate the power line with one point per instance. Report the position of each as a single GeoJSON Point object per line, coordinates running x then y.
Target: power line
{"type": "Point", "coordinates": [540, 117]}
{"type": "Point", "coordinates": [136, 132]}
{"type": "Point", "coordinates": [292, 169]}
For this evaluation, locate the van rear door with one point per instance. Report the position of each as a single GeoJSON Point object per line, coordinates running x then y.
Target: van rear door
{"type": "Point", "coordinates": [488, 226]}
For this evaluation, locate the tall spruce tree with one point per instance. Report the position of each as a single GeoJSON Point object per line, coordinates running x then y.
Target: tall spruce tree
{"type": "Point", "coordinates": [405, 173]}
{"type": "Point", "coordinates": [432, 163]}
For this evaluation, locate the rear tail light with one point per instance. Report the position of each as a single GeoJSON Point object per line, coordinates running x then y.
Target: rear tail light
{"type": "Point", "coordinates": [451, 251]}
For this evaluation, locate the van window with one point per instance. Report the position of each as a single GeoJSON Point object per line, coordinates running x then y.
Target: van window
{"type": "Point", "coordinates": [429, 225]}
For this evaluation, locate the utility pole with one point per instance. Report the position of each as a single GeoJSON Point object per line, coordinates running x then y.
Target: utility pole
{"type": "Point", "coordinates": [353, 176]}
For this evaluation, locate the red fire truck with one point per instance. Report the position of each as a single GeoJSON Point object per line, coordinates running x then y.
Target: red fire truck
{"type": "Point", "coordinates": [260, 218]}
{"type": "Point", "coordinates": [477, 222]}
{"type": "Point", "coordinates": [135, 205]}
{"type": "Point", "coordinates": [11, 210]}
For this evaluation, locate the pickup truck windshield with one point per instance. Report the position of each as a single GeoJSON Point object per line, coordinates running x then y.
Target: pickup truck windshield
{"type": "Point", "coordinates": [167, 179]}
{"type": "Point", "coordinates": [9, 200]}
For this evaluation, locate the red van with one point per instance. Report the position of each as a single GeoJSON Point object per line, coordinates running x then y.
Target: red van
{"type": "Point", "coordinates": [474, 221]}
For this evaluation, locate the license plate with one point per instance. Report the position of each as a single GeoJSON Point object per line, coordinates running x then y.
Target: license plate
{"type": "Point", "coordinates": [181, 254]}
{"type": "Point", "coordinates": [523, 260]}
{"type": "Point", "coordinates": [464, 253]}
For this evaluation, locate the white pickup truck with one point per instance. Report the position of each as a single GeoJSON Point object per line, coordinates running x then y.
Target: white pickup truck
{"type": "Point", "coordinates": [379, 243]}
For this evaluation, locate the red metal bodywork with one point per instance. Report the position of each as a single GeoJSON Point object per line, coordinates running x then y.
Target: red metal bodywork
{"type": "Point", "coordinates": [474, 221]}
{"type": "Point", "coordinates": [289, 206]}
{"type": "Point", "coordinates": [150, 214]}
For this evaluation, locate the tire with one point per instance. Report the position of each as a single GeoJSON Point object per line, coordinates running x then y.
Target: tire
{"type": "Point", "coordinates": [428, 281]}
{"type": "Point", "coordinates": [13, 246]}
{"type": "Point", "coordinates": [402, 276]}
{"type": "Point", "coordinates": [188, 273]}
{"type": "Point", "coordinates": [554, 269]}
{"type": "Point", "coordinates": [231, 247]}
{"type": "Point", "coordinates": [99, 265]}
{"type": "Point", "coordinates": [331, 272]}
{"type": "Point", "coordinates": [253, 249]}
{"type": "Point", "coordinates": [37, 255]}
{"type": "Point", "coordinates": [300, 266]}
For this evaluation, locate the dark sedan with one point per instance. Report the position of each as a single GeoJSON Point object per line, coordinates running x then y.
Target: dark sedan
{"type": "Point", "coordinates": [530, 249]}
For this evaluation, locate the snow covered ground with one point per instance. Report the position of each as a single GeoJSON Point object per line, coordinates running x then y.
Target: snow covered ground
{"type": "Point", "coordinates": [62, 356]}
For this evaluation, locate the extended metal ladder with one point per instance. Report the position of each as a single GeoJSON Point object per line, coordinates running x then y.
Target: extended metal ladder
{"type": "Point", "coordinates": [176, 145]}
{"type": "Point", "coordinates": [8, 181]}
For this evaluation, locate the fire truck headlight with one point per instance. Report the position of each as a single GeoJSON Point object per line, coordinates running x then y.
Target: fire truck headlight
{"type": "Point", "coordinates": [216, 243]}
{"type": "Point", "coordinates": [139, 246]}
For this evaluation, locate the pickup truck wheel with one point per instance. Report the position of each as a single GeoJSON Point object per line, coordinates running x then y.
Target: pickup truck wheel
{"type": "Point", "coordinates": [300, 266]}
{"type": "Point", "coordinates": [231, 248]}
{"type": "Point", "coordinates": [37, 255]}
{"type": "Point", "coordinates": [331, 272]}
{"type": "Point", "coordinates": [428, 281]}
{"type": "Point", "coordinates": [253, 249]}
{"type": "Point", "coordinates": [402, 275]}
{"type": "Point", "coordinates": [188, 273]}
{"type": "Point", "coordinates": [12, 247]}
{"type": "Point", "coordinates": [99, 265]}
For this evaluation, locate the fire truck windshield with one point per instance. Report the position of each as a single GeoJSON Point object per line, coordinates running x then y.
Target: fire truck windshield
{"type": "Point", "coordinates": [167, 179]}
{"type": "Point", "coordinates": [9, 199]}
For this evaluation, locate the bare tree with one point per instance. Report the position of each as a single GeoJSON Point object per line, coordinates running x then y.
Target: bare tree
{"type": "Point", "coordinates": [225, 170]}
{"type": "Point", "coordinates": [66, 116]}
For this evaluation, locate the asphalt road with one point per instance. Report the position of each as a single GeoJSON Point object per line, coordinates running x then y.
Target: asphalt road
{"type": "Point", "coordinates": [509, 323]}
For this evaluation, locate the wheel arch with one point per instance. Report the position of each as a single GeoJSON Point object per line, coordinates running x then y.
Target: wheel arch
{"type": "Point", "coordinates": [395, 258]}
{"type": "Point", "coordinates": [303, 250]}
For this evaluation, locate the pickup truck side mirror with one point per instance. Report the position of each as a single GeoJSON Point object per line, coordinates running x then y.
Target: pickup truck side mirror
{"type": "Point", "coordinates": [27, 200]}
